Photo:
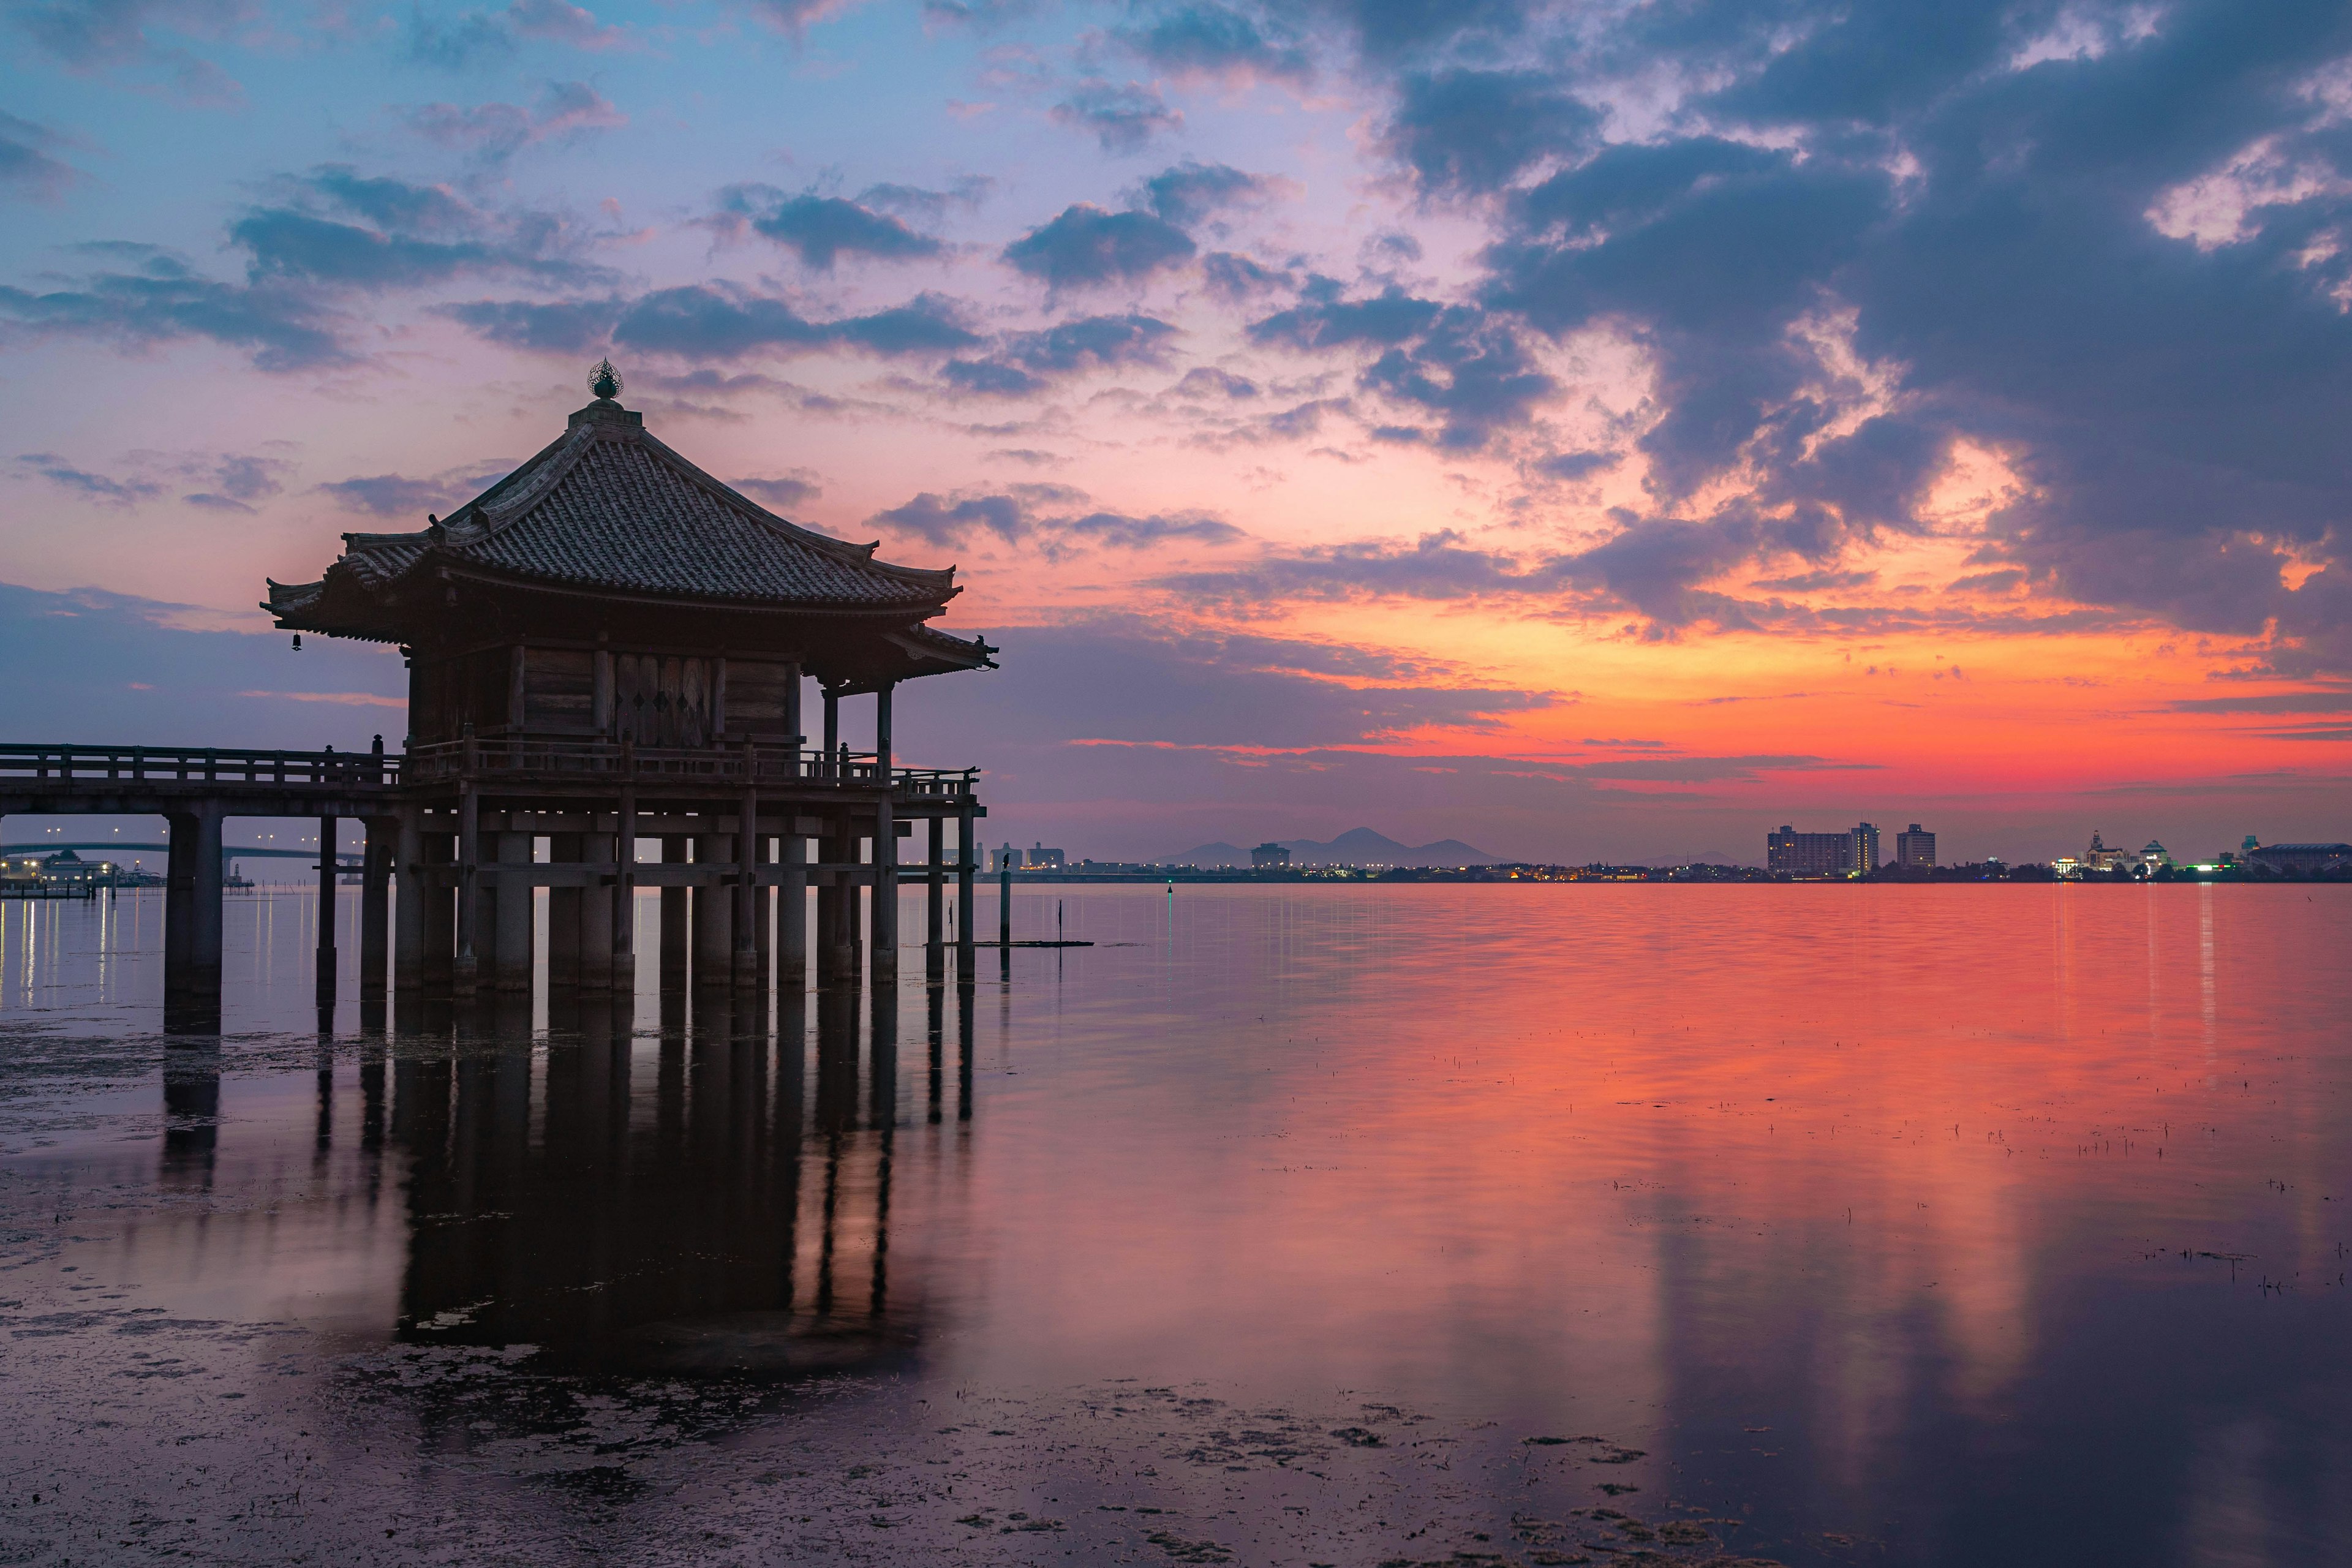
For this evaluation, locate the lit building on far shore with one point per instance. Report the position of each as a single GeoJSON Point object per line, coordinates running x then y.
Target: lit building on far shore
{"type": "Point", "coordinates": [1797, 854]}
{"type": "Point", "coordinates": [1037, 857]}
{"type": "Point", "coordinates": [1269, 854]}
{"type": "Point", "coordinates": [2306, 858]}
{"type": "Point", "coordinates": [1914, 847]}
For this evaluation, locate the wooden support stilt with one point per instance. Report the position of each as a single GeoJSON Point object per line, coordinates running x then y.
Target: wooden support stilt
{"type": "Point", "coordinates": [935, 935]}
{"type": "Point", "coordinates": [967, 867]}
{"type": "Point", "coordinates": [465, 972]}
{"type": "Point", "coordinates": [885, 960]}
{"type": "Point", "coordinates": [514, 916]}
{"type": "Point", "coordinates": [327, 827]}
{"type": "Point", "coordinates": [624, 889]}
{"type": "Point", "coordinates": [677, 918]}
{"type": "Point", "coordinates": [409, 935]}
{"type": "Point", "coordinates": [714, 912]}
{"type": "Point", "coordinates": [563, 916]}
{"type": "Point", "coordinates": [595, 918]}
{"type": "Point", "coordinates": [179, 901]}
{"type": "Point", "coordinates": [441, 902]}
{"type": "Point", "coordinates": [375, 906]}
{"type": "Point", "coordinates": [206, 913]}
{"type": "Point", "coordinates": [746, 955]}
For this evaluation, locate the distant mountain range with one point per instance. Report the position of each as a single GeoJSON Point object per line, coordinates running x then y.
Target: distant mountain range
{"type": "Point", "coordinates": [1357, 847]}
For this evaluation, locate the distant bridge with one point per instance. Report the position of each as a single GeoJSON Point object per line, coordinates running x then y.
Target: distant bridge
{"type": "Point", "coordinates": [231, 851]}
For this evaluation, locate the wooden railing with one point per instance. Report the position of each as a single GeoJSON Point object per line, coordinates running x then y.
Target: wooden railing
{"type": "Point", "coordinates": [755, 762]}
{"type": "Point", "coordinates": [758, 762]}
{"type": "Point", "coordinates": [206, 764]}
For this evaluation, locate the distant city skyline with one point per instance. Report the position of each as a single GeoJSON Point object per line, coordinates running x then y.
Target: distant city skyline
{"type": "Point", "coordinates": [1526, 424]}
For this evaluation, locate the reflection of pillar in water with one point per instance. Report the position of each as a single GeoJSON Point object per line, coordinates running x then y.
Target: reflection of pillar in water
{"type": "Point", "coordinates": [936, 1000]}
{"type": "Point", "coordinates": [883, 1097]}
{"type": "Point", "coordinates": [191, 1083]}
{"type": "Point", "coordinates": [967, 996]}
{"type": "Point", "coordinates": [882, 1050]}
{"type": "Point", "coordinates": [836, 1060]}
{"type": "Point", "coordinates": [323, 1135]}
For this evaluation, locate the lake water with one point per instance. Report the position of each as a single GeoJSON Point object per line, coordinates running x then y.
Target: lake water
{"type": "Point", "coordinates": [1287, 1226]}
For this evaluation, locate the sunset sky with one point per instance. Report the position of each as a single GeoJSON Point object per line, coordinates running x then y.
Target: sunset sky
{"type": "Point", "coordinates": [1595, 432]}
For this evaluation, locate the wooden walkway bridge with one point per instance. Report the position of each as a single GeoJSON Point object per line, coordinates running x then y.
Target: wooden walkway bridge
{"type": "Point", "coordinates": [742, 830]}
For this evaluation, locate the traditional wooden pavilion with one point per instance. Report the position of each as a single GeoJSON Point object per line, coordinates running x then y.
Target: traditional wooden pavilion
{"type": "Point", "coordinates": [609, 644]}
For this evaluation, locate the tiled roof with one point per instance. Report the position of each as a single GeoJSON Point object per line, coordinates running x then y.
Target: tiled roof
{"type": "Point", "coordinates": [609, 507]}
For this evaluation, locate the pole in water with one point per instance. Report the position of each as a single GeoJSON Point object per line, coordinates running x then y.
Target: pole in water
{"type": "Point", "coordinates": [1058, 920]}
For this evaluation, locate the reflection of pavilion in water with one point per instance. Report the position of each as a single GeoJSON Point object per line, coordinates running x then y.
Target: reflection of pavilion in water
{"type": "Point", "coordinates": [710, 1198]}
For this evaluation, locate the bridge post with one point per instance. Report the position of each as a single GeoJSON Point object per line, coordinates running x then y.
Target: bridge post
{"type": "Point", "coordinates": [375, 907]}
{"type": "Point", "coordinates": [416, 898]}
{"type": "Point", "coordinates": [441, 904]}
{"type": "Point", "coordinates": [512, 904]}
{"type": "Point", "coordinates": [966, 867]}
{"type": "Point", "coordinates": [886, 847]}
{"type": "Point", "coordinates": [935, 934]}
{"type": "Point", "coordinates": [327, 827]}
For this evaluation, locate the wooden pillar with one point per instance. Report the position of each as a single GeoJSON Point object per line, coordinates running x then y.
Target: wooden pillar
{"type": "Point", "coordinates": [935, 932]}
{"type": "Point", "coordinates": [967, 867]}
{"type": "Point", "coordinates": [828, 901]}
{"type": "Point", "coordinates": [624, 895]}
{"type": "Point", "coordinates": [746, 955]}
{"type": "Point", "coordinates": [375, 907]}
{"type": "Point", "coordinates": [409, 937]}
{"type": "Point", "coordinates": [792, 898]}
{"type": "Point", "coordinates": [563, 916]}
{"type": "Point", "coordinates": [832, 726]}
{"type": "Point", "coordinates": [327, 827]}
{"type": "Point", "coordinates": [179, 900]}
{"type": "Point", "coordinates": [714, 910]}
{"type": "Point", "coordinates": [593, 915]}
{"type": "Point", "coordinates": [440, 902]}
{"type": "Point", "coordinates": [763, 900]}
{"type": "Point", "coordinates": [1004, 902]}
{"type": "Point", "coordinates": [465, 972]}
{"type": "Point", "coordinates": [886, 846]}
{"type": "Point", "coordinates": [205, 911]}
{"type": "Point", "coordinates": [677, 911]}
{"type": "Point", "coordinates": [514, 912]}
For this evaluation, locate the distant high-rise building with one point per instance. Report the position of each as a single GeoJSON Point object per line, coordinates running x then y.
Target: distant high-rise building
{"type": "Point", "coordinates": [1914, 846]}
{"type": "Point", "coordinates": [1039, 858]}
{"type": "Point", "coordinates": [1822, 854]}
{"type": "Point", "coordinates": [1865, 848]}
{"type": "Point", "coordinates": [1269, 854]}
{"type": "Point", "coordinates": [1809, 854]}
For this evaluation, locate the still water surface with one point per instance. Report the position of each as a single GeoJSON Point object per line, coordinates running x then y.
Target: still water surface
{"type": "Point", "coordinates": [1308, 1225]}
